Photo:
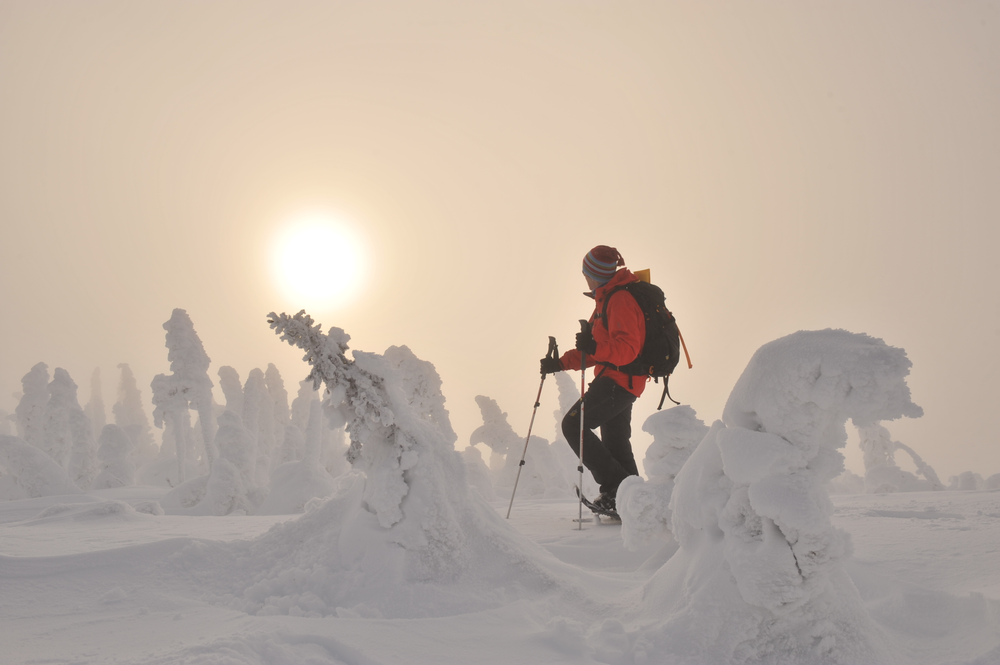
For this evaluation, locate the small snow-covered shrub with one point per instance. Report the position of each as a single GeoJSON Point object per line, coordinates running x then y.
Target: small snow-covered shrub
{"type": "Point", "coordinates": [644, 505]}
{"type": "Point", "coordinates": [116, 470]}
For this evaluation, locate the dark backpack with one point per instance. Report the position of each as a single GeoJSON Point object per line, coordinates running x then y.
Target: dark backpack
{"type": "Point", "coordinates": [662, 349]}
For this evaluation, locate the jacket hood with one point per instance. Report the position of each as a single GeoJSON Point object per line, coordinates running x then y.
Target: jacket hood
{"type": "Point", "coordinates": [623, 276]}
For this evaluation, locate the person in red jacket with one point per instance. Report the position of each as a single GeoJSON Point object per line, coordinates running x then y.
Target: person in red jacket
{"type": "Point", "coordinates": [609, 343]}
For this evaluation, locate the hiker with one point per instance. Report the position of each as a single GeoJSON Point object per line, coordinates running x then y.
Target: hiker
{"type": "Point", "coordinates": [609, 343]}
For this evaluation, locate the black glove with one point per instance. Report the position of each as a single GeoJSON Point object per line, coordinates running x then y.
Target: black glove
{"type": "Point", "coordinates": [551, 365]}
{"type": "Point", "coordinates": [585, 342]}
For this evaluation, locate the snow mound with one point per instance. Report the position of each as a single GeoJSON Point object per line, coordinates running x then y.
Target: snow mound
{"type": "Point", "coordinates": [847, 483]}
{"type": "Point", "coordinates": [74, 512]}
{"type": "Point", "coordinates": [759, 575]}
{"type": "Point", "coordinates": [294, 484]}
{"type": "Point", "coordinates": [644, 505]}
{"type": "Point", "coordinates": [32, 470]}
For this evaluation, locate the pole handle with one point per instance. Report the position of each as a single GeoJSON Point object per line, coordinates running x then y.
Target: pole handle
{"type": "Point", "coordinates": [553, 351]}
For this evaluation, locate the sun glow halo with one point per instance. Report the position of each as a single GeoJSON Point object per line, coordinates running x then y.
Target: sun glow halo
{"type": "Point", "coordinates": [317, 262]}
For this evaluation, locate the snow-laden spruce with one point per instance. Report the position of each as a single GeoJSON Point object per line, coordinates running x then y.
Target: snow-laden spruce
{"type": "Point", "coordinates": [402, 535]}
{"type": "Point", "coordinates": [115, 468]}
{"type": "Point", "coordinates": [94, 409]}
{"type": "Point", "coordinates": [280, 416]}
{"type": "Point", "coordinates": [759, 574]}
{"type": "Point", "coordinates": [30, 411]}
{"type": "Point", "coordinates": [130, 415]}
{"type": "Point", "coordinates": [186, 387]}
{"type": "Point", "coordinates": [68, 437]}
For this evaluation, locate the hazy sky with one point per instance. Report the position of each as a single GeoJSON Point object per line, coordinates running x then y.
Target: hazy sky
{"type": "Point", "coordinates": [778, 166]}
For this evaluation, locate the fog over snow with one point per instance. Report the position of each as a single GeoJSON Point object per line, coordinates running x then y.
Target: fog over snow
{"type": "Point", "coordinates": [777, 166]}
{"type": "Point", "coordinates": [731, 550]}
{"type": "Point", "coordinates": [185, 479]}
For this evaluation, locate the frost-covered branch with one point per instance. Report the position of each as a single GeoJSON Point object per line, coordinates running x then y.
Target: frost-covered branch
{"type": "Point", "coordinates": [346, 383]}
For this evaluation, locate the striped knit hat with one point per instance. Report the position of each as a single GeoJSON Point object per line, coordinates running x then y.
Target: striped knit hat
{"type": "Point", "coordinates": [601, 263]}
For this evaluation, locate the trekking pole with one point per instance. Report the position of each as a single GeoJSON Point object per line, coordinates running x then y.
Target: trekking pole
{"type": "Point", "coordinates": [584, 327]}
{"type": "Point", "coordinates": [553, 352]}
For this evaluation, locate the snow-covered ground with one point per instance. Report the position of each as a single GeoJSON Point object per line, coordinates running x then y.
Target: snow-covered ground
{"type": "Point", "coordinates": [731, 551]}
{"type": "Point", "coordinates": [87, 579]}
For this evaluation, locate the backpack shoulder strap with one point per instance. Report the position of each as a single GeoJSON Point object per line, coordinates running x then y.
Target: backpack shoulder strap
{"type": "Point", "coordinates": [607, 300]}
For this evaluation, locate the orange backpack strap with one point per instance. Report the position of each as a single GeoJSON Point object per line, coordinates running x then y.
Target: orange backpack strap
{"type": "Point", "coordinates": [686, 354]}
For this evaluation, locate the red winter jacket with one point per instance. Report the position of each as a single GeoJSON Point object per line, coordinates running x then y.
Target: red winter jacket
{"type": "Point", "coordinates": [618, 343]}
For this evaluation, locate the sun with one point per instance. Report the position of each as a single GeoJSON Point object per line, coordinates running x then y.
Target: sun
{"type": "Point", "coordinates": [318, 261]}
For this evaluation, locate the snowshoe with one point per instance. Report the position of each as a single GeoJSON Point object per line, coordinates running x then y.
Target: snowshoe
{"type": "Point", "coordinates": [603, 507]}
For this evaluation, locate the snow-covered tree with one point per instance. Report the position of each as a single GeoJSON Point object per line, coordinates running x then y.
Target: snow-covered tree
{"type": "Point", "coordinates": [131, 416]}
{"type": "Point", "coordinates": [56, 439]}
{"type": "Point", "coordinates": [267, 440]}
{"type": "Point", "coordinates": [228, 489]}
{"type": "Point", "coordinates": [231, 482]}
{"type": "Point", "coordinates": [294, 444]}
{"type": "Point", "coordinates": [68, 436]}
{"type": "Point", "coordinates": [497, 435]}
{"type": "Point", "coordinates": [187, 387]}
{"type": "Point", "coordinates": [569, 393]}
{"type": "Point", "coordinates": [379, 446]}
{"type": "Point", "coordinates": [258, 421]}
{"type": "Point", "coordinates": [32, 470]}
{"type": "Point", "coordinates": [644, 504]}
{"type": "Point", "coordinates": [752, 516]}
{"type": "Point", "coordinates": [95, 405]}
{"type": "Point", "coordinates": [967, 481]}
{"type": "Point", "coordinates": [279, 397]}
{"type": "Point", "coordinates": [295, 483]}
{"type": "Point", "coordinates": [232, 389]}
{"type": "Point", "coordinates": [406, 503]}
{"type": "Point", "coordinates": [478, 473]}
{"type": "Point", "coordinates": [882, 474]}
{"type": "Point", "coordinates": [301, 405]}
{"type": "Point", "coordinates": [565, 458]}
{"type": "Point", "coordinates": [170, 409]}
{"type": "Point", "coordinates": [116, 470]}
{"type": "Point", "coordinates": [30, 411]}
{"type": "Point", "coordinates": [333, 453]}
{"type": "Point", "coordinates": [541, 476]}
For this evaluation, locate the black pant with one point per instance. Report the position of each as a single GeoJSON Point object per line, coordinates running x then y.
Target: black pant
{"type": "Point", "coordinates": [608, 406]}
